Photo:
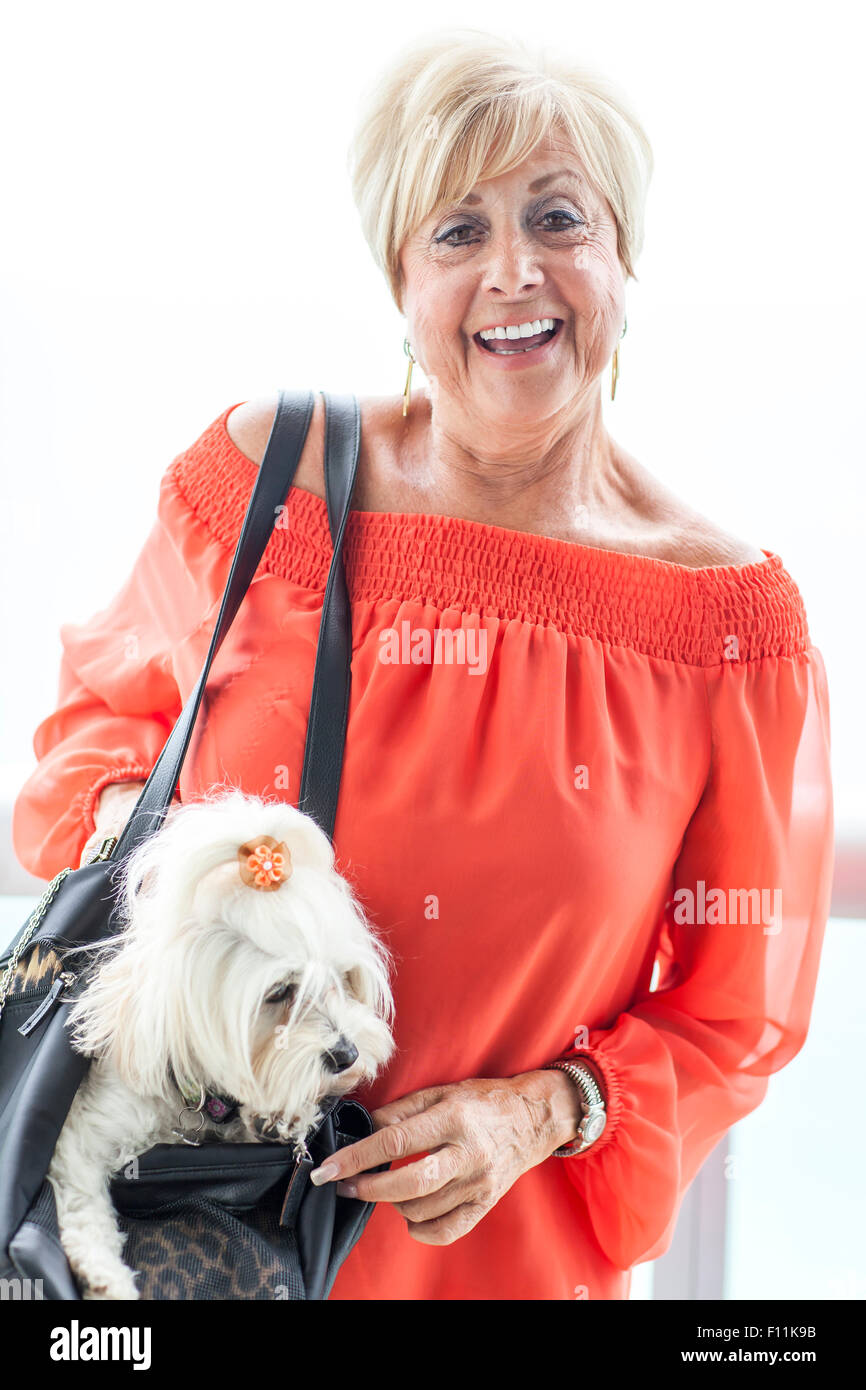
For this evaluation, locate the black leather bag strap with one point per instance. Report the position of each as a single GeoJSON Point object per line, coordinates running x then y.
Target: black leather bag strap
{"type": "Point", "coordinates": [329, 706]}
{"type": "Point", "coordinates": [282, 455]}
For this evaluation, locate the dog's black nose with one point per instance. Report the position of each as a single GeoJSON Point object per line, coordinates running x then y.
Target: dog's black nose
{"type": "Point", "coordinates": [341, 1056]}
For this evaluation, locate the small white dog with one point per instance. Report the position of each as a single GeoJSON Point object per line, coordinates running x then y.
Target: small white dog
{"type": "Point", "coordinates": [246, 988]}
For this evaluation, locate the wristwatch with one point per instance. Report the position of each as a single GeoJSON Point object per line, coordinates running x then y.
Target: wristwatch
{"type": "Point", "coordinates": [591, 1103]}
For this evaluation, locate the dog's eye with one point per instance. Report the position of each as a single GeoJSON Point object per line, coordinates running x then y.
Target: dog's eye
{"type": "Point", "coordinates": [281, 994]}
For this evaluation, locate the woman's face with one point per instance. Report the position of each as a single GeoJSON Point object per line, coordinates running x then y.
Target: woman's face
{"type": "Point", "coordinates": [535, 243]}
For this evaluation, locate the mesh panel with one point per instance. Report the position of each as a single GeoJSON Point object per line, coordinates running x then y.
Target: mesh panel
{"type": "Point", "coordinates": [196, 1249]}
{"type": "Point", "coordinates": [43, 1212]}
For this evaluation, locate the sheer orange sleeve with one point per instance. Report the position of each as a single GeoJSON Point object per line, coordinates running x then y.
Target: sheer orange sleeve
{"type": "Point", "coordinates": [119, 685]}
{"type": "Point", "coordinates": [741, 939]}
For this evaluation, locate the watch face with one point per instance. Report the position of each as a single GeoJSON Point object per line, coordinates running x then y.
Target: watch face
{"type": "Point", "coordinates": [593, 1126]}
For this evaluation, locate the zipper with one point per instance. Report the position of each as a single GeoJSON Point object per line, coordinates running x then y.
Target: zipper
{"type": "Point", "coordinates": [63, 982]}
{"type": "Point", "coordinates": [9, 961]}
{"type": "Point", "coordinates": [35, 992]}
{"type": "Point", "coordinates": [104, 851]}
{"type": "Point", "coordinates": [287, 1195]}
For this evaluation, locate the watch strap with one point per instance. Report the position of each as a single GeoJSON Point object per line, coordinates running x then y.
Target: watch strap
{"type": "Point", "coordinates": [592, 1105]}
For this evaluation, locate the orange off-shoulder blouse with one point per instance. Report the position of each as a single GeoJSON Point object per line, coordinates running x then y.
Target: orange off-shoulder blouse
{"type": "Point", "coordinates": [586, 802]}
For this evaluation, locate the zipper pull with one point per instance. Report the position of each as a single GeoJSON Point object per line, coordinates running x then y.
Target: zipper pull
{"type": "Point", "coordinates": [295, 1190]}
{"type": "Point", "coordinates": [105, 850]}
{"type": "Point", "coordinates": [64, 981]}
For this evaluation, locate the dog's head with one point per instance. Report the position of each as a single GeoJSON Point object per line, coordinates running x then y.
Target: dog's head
{"type": "Point", "coordinates": [278, 998]}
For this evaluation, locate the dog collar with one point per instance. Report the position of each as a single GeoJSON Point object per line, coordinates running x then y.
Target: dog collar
{"type": "Point", "coordinates": [219, 1109]}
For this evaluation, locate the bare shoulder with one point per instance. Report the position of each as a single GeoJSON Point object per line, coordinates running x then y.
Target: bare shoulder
{"type": "Point", "coordinates": [249, 427]}
{"type": "Point", "coordinates": [685, 536]}
{"type": "Point", "coordinates": [702, 545]}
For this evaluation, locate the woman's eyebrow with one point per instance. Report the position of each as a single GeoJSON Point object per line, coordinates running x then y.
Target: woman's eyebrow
{"type": "Point", "coordinates": [536, 183]}
{"type": "Point", "coordinates": [547, 178]}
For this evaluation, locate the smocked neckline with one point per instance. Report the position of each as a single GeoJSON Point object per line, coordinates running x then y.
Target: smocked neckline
{"type": "Point", "coordinates": [696, 616]}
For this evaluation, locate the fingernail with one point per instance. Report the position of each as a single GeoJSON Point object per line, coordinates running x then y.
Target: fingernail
{"type": "Point", "coordinates": [347, 1189]}
{"type": "Point", "coordinates": [324, 1174]}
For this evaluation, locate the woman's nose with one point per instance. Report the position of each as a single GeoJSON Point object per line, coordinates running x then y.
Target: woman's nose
{"type": "Point", "coordinates": [512, 266]}
{"type": "Point", "coordinates": [341, 1056]}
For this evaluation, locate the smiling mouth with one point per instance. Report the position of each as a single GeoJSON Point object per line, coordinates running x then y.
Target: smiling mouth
{"type": "Point", "coordinates": [510, 347]}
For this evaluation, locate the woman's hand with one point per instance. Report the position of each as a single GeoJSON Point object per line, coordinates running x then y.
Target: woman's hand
{"type": "Point", "coordinates": [113, 810]}
{"type": "Point", "coordinates": [478, 1136]}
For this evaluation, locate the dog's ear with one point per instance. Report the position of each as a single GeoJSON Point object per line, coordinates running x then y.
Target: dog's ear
{"type": "Point", "coordinates": [369, 980]}
{"type": "Point", "coordinates": [123, 1017]}
{"type": "Point", "coordinates": [99, 1018]}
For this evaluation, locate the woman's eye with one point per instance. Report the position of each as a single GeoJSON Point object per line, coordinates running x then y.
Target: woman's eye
{"type": "Point", "coordinates": [446, 237]}
{"type": "Point", "coordinates": [281, 993]}
{"type": "Point", "coordinates": [464, 233]}
{"type": "Point", "coordinates": [570, 219]}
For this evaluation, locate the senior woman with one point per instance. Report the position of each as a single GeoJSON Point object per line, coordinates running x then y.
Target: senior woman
{"type": "Point", "coordinates": [598, 837]}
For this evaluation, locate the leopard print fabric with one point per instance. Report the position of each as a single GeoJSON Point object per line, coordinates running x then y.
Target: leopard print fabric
{"type": "Point", "coordinates": [194, 1249]}
{"type": "Point", "coordinates": [36, 969]}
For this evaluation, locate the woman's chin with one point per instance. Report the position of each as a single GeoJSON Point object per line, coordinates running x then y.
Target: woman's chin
{"type": "Point", "coordinates": [514, 400]}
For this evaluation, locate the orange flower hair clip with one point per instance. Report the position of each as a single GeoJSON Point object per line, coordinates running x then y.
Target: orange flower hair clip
{"type": "Point", "coordinates": [265, 863]}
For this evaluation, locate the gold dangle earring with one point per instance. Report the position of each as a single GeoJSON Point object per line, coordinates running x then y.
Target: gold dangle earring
{"type": "Point", "coordinates": [407, 348]}
{"type": "Point", "coordinates": [614, 373]}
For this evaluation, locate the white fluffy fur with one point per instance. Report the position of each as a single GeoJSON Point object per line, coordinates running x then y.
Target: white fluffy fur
{"type": "Point", "coordinates": [183, 990]}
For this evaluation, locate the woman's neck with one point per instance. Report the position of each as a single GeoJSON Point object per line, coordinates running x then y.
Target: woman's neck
{"type": "Point", "coordinates": [555, 480]}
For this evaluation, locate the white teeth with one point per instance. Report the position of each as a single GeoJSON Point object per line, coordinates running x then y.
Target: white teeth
{"type": "Point", "coordinates": [521, 330]}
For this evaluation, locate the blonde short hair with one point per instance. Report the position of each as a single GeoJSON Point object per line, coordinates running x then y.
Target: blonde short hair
{"type": "Point", "coordinates": [464, 104]}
